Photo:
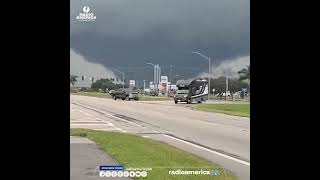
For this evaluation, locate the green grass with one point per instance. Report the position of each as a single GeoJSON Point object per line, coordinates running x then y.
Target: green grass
{"type": "Point", "coordinates": [153, 98]}
{"type": "Point", "coordinates": [235, 109]}
{"type": "Point", "coordinates": [94, 94]}
{"type": "Point", "coordinates": [106, 95]}
{"type": "Point", "coordinates": [138, 152]}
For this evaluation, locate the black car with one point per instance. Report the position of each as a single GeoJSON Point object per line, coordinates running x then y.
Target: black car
{"type": "Point", "coordinates": [124, 95]}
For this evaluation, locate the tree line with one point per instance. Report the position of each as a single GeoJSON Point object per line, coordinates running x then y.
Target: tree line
{"type": "Point", "coordinates": [219, 84]}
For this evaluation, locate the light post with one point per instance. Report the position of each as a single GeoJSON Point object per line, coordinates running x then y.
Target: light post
{"type": "Point", "coordinates": [226, 87]}
{"type": "Point", "coordinates": [122, 76]}
{"type": "Point", "coordinates": [209, 59]}
{"type": "Point", "coordinates": [176, 76]}
{"type": "Point", "coordinates": [156, 75]}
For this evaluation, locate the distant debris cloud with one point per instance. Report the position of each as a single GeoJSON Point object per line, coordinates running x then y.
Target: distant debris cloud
{"type": "Point", "coordinates": [81, 67]}
{"type": "Point", "coordinates": [228, 68]}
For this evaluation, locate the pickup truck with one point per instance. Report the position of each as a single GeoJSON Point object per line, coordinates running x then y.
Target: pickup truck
{"type": "Point", "coordinates": [124, 95]}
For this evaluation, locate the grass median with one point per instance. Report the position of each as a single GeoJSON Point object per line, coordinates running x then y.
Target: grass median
{"type": "Point", "coordinates": [235, 109]}
{"type": "Point", "coordinates": [94, 94]}
{"type": "Point", "coordinates": [138, 152]}
{"type": "Point", "coordinates": [106, 95]}
{"type": "Point", "coordinates": [154, 98]}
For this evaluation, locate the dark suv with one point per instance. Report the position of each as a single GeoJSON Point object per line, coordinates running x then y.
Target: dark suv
{"type": "Point", "coordinates": [124, 95]}
{"type": "Point", "coordinates": [182, 96]}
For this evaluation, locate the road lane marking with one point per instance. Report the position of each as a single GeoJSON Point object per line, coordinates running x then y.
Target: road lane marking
{"type": "Point", "coordinates": [186, 142]}
{"type": "Point", "coordinates": [105, 129]}
{"type": "Point", "coordinates": [85, 113]}
{"type": "Point", "coordinates": [110, 124]}
{"type": "Point", "coordinates": [109, 115]}
{"type": "Point", "coordinates": [209, 150]}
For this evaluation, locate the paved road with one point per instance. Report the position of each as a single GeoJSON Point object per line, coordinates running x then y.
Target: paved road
{"type": "Point", "coordinates": [85, 159]}
{"type": "Point", "coordinates": [220, 138]}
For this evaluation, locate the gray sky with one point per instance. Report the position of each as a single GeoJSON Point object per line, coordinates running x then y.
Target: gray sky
{"type": "Point", "coordinates": [81, 67]}
{"type": "Point", "coordinates": [129, 33]}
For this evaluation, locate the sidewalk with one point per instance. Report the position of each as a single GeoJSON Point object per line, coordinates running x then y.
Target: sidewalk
{"type": "Point", "coordinates": [85, 157]}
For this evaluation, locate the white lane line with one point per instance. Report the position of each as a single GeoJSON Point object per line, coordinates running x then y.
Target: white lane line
{"type": "Point", "coordinates": [85, 113]}
{"type": "Point", "coordinates": [104, 129]}
{"type": "Point", "coordinates": [106, 114]}
{"type": "Point", "coordinates": [110, 124]}
{"type": "Point", "coordinates": [92, 124]}
{"type": "Point", "coordinates": [209, 150]}
{"type": "Point", "coordinates": [89, 122]}
{"type": "Point", "coordinates": [146, 136]}
{"type": "Point", "coordinates": [78, 119]}
{"type": "Point", "coordinates": [200, 147]}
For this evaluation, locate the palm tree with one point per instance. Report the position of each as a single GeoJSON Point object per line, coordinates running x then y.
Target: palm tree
{"type": "Point", "coordinates": [244, 74]}
{"type": "Point", "coordinates": [73, 79]}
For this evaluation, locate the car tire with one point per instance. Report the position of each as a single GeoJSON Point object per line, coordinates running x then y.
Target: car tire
{"type": "Point", "coordinates": [127, 98]}
{"type": "Point", "coordinates": [175, 102]}
{"type": "Point", "coordinates": [114, 98]}
{"type": "Point", "coordinates": [188, 102]}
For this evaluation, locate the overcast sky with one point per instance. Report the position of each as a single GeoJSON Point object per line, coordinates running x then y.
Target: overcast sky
{"type": "Point", "coordinates": [129, 33]}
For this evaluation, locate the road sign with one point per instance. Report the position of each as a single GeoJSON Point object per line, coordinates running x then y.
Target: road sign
{"type": "Point", "coordinates": [164, 79]}
{"type": "Point", "coordinates": [132, 82]}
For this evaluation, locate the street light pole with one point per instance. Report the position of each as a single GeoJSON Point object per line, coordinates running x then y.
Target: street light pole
{"type": "Point", "coordinates": [122, 76]}
{"type": "Point", "coordinates": [209, 59]}
{"type": "Point", "coordinates": [155, 75]}
{"type": "Point", "coordinates": [170, 80]}
{"type": "Point", "coordinates": [226, 86]}
{"type": "Point", "coordinates": [209, 77]}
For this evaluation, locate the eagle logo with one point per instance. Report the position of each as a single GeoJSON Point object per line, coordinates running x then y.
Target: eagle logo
{"type": "Point", "coordinates": [86, 9]}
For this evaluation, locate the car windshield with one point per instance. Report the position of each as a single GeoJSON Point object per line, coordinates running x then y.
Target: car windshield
{"type": "Point", "coordinates": [183, 91]}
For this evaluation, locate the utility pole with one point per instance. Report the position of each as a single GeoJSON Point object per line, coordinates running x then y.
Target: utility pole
{"type": "Point", "coordinates": [170, 80]}
{"type": "Point", "coordinates": [170, 75]}
{"type": "Point", "coordinates": [209, 59]}
{"type": "Point", "coordinates": [122, 76]}
{"type": "Point", "coordinates": [137, 85]}
{"type": "Point", "coordinates": [226, 86]}
{"type": "Point", "coordinates": [157, 77]}
{"type": "Point", "coordinates": [155, 69]}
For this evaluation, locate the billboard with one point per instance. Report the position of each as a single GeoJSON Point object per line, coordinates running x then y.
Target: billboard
{"type": "Point", "coordinates": [164, 79]}
{"type": "Point", "coordinates": [132, 83]}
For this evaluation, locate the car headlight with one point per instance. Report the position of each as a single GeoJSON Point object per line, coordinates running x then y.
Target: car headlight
{"type": "Point", "coordinates": [185, 95]}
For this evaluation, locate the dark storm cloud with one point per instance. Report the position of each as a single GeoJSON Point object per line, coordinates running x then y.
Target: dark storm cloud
{"type": "Point", "coordinates": [132, 32]}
